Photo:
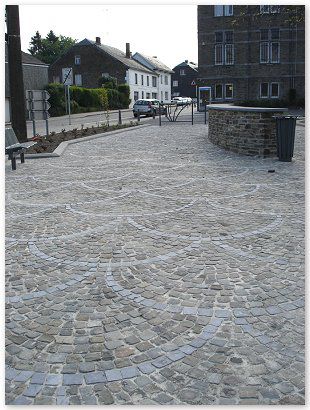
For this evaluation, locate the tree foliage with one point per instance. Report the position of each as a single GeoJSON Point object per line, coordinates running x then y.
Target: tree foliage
{"type": "Point", "coordinates": [50, 48]}
{"type": "Point", "coordinates": [107, 82]}
{"type": "Point", "coordinates": [292, 15]}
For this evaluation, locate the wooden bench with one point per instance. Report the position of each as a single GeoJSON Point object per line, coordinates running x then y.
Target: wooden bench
{"type": "Point", "coordinates": [13, 147]}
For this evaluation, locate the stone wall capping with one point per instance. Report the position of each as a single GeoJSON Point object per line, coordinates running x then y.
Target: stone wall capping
{"type": "Point", "coordinates": [230, 107]}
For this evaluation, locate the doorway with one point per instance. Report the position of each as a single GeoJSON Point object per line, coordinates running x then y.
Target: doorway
{"type": "Point", "coordinates": [204, 97]}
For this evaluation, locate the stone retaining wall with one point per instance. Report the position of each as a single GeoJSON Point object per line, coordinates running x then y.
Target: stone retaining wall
{"type": "Point", "coordinates": [245, 130]}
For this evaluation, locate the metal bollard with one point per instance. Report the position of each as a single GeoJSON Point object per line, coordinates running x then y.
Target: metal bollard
{"type": "Point", "coordinates": [205, 113]}
{"type": "Point", "coordinates": [138, 116]}
{"type": "Point", "coordinates": [192, 114]}
{"type": "Point", "coordinates": [119, 117]}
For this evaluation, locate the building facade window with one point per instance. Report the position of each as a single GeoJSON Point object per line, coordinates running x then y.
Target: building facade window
{"type": "Point", "coordinates": [136, 78]}
{"type": "Point", "coordinates": [148, 95]}
{"type": "Point", "coordinates": [229, 91]}
{"type": "Point", "coordinates": [274, 91]}
{"type": "Point", "coordinates": [154, 95]}
{"type": "Point", "coordinates": [269, 9]}
{"type": "Point", "coordinates": [78, 79]}
{"type": "Point", "coordinates": [218, 91]}
{"type": "Point", "coordinates": [229, 54]}
{"type": "Point", "coordinates": [219, 54]}
{"type": "Point", "coordinates": [77, 60]}
{"type": "Point", "coordinates": [136, 95]}
{"type": "Point", "coordinates": [161, 79]}
{"type": "Point", "coordinates": [161, 96]}
{"type": "Point", "coordinates": [175, 83]}
{"type": "Point", "coordinates": [223, 11]}
{"type": "Point", "coordinates": [269, 90]}
{"type": "Point", "coordinates": [166, 95]}
{"type": "Point", "coordinates": [147, 80]}
{"type": "Point", "coordinates": [182, 71]}
{"type": "Point", "coordinates": [154, 82]}
{"type": "Point", "coordinates": [166, 80]}
{"type": "Point", "coordinates": [270, 46]}
{"type": "Point", "coordinates": [142, 80]}
{"type": "Point", "coordinates": [142, 94]}
{"type": "Point", "coordinates": [224, 48]}
{"type": "Point", "coordinates": [264, 90]}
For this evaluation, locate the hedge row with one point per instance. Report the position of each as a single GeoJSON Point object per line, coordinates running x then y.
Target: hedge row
{"type": "Point", "coordinates": [276, 103]}
{"type": "Point", "coordinates": [87, 99]}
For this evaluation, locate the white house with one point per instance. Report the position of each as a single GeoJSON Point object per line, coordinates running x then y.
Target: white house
{"type": "Point", "coordinates": [163, 72]}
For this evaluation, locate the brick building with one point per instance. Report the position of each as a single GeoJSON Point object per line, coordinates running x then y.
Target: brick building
{"type": "Point", "coordinates": [184, 74]}
{"type": "Point", "coordinates": [252, 52]}
{"type": "Point", "coordinates": [90, 60]}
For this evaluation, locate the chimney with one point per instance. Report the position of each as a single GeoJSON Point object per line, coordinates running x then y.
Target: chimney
{"type": "Point", "coordinates": [98, 41]}
{"type": "Point", "coordinates": [186, 61]}
{"type": "Point", "coordinates": [128, 53]}
{"type": "Point", "coordinates": [154, 56]}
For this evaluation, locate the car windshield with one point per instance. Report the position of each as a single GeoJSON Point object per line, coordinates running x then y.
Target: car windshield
{"type": "Point", "coordinates": [141, 102]}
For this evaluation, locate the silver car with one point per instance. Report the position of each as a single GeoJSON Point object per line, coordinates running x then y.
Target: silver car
{"type": "Point", "coordinates": [147, 107]}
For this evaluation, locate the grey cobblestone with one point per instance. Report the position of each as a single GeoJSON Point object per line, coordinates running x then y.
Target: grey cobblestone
{"type": "Point", "coordinates": [152, 267]}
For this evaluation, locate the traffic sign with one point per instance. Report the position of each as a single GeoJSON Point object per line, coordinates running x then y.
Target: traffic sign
{"type": "Point", "coordinates": [37, 95]}
{"type": "Point", "coordinates": [38, 105]}
{"type": "Point", "coordinates": [38, 115]}
{"type": "Point", "coordinates": [193, 82]}
{"type": "Point", "coordinates": [67, 76]}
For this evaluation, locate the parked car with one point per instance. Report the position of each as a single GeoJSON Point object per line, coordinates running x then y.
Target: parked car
{"type": "Point", "coordinates": [148, 107]}
{"type": "Point", "coordinates": [181, 100]}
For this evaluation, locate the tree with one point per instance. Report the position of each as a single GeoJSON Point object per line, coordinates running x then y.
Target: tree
{"type": "Point", "coordinates": [107, 82]}
{"type": "Point", "coordinates": [50, 48]}
{"type": "Point", "coordinates": [36, 44]}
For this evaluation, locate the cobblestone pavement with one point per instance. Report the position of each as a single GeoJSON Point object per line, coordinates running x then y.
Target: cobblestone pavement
{"type": "Point", "coordinates": [151, 267]}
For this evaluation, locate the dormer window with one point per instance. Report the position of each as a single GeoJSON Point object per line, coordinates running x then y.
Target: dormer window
{"type": "Point", "coordinates": [77, 60]}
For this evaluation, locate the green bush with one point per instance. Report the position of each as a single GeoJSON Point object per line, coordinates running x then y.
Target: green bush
{"type": "Point", "coordinates": [300, 103]}
{"type": "Point", "coordinates": [274, 103]}
{"type": "Point", "coordinates": [292, 96]}
{"type": "Point", "coordinates": [114, 99]}
{"type": "Point", "coordinates": [107, 82]}
{"type": "Point", "coordinates": [57, 99]}
{"type": "Point", "coordinates": [124, 91]}
{"type": "Point", "coordinates": [81, 99]}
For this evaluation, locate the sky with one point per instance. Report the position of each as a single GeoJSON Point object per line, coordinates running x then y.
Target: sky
{"type": "Point", "coordinates": [166, 31]}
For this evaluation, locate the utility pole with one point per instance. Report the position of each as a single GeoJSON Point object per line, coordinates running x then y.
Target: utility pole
{"type": "Point", "coordinates": [17, 94]}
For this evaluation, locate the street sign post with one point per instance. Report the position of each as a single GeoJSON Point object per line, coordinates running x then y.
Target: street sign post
{"type": "Point", "coordinates": [38, 107]}
{"type": "Point", "coordinates": [67, 76]}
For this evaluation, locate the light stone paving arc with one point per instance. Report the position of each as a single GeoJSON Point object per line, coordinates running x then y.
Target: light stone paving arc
{"type": "Point", "coordinates": [110, 326]}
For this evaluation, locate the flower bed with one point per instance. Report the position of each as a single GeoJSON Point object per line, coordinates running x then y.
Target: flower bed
{"type": "Point", "coordinates": [50, 143]}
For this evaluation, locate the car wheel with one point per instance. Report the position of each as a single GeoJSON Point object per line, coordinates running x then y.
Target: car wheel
{"type": "Point", "coordinates": [135, 114]}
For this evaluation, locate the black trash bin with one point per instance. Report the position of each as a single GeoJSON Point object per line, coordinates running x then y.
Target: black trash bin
{"type": "Point", "coordinates": [286, 125]}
